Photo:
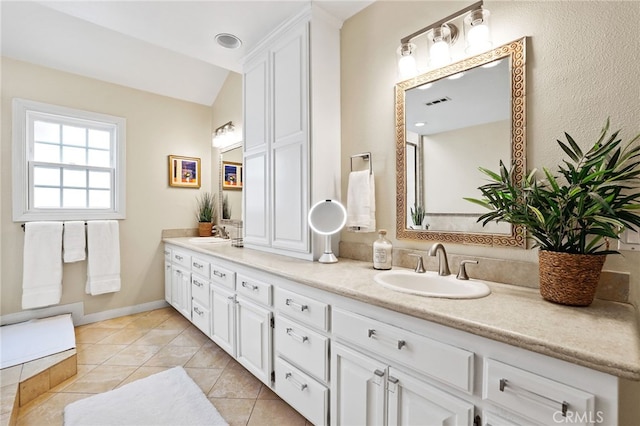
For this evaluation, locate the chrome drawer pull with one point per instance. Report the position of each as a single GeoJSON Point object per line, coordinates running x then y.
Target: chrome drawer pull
{"type": "Point", "coordinates": [371, 332]}
{"type": "Point", "coordinates": [197, 311]}
{"type": "Point", "coordinates": [219, 274]}
{"type": "Point", "coordinates": [301, 308]}
{"type": "Point", "coordinates": [379, 373]}
{"type": "Point", "coordinates": [564, 405]}
{"type": "Point", "coordinates": [249, 286]}
{"type": "Point", "coordinates": [179, 257]}
{"type": "Point", "coordinates": [401, 344]}
{"type": "Point", "coordinates": [301, 386]}
{"type": "Point", "coordinates": [197, 265]}
{"type": "Point", "coordinates": [230, 297]}
{"type": "Point", "coordinates": [296, 336]}
{"type": "Point", "coordinates": [198, 283]}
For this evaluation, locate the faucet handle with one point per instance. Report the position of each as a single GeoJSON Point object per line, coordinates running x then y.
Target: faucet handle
{"type": "Point", "coordinates": [462, 272]}
{"type": "Point", "coordinates": [420, 264]}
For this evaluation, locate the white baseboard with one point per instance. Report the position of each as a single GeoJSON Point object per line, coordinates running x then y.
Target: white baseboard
{"type": "Point", "coordinates": [77, 313]}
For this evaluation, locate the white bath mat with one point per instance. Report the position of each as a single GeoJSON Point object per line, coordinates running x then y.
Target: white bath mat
{"type": "Point", "coordinates": [167, 398]}
{"type": "Point", "coordinates": [26, 341]}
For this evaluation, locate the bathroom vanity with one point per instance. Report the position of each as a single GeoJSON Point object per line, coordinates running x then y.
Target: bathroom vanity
{"type": "Point", "coordinates": [343, 350]}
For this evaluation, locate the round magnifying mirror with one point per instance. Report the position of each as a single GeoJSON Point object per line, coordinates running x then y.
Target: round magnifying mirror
{"type": "Point", "coordinates": [326, 218]}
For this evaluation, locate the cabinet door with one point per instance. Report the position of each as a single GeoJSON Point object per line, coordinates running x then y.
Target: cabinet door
{"type": "Point", "coordinates": [253, 335]}
{"type": "Point", "coordinates": [256, 90]}
{"type": "Point", "coordinates": [223, 319]}
{"type": "Point", "coordinates": [167, 282]}
{"type": "Point", "coordinates": [289, 149]}
{"type": "Point", "coordinates": [181, 290]}
{"type": "Point", "coordinates": [414, 402]}
{"type": "Point", "coordinates": [256, 199]}
{"type": "Point", "coordinates": [357, 389]}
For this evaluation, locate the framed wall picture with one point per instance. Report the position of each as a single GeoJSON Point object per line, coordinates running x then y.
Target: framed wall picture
{"type": "Point", "coordinates": [184, 172]}
{"type": "Point", "coordinates": [232, 175]}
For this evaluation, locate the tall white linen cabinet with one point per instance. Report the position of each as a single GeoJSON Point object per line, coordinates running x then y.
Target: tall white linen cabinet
{"type": "Point", "coordinates": [292, 132]}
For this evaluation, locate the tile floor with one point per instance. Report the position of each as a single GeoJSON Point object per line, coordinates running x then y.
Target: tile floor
{"type": "Point", "coordinates": [115, 352]}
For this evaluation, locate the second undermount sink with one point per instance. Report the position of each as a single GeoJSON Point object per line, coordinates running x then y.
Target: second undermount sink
{"type": "Point", "coordinates": [431, 284]}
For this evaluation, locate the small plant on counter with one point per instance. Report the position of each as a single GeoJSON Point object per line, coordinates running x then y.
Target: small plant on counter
{"type": "Point", "coordinates": [206, 212]}
{"type": "Point", "coordinates": [226, 207]}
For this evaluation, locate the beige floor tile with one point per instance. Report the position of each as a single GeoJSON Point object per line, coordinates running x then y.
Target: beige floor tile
{"type": "Point", "coordinates": [146, 322]}
{"type": "Point", "coordinates": [235, 411]}
{"type": "Point", "coordinates": [50, 412]}
{"type": "Point", "coordinates": [10, 375]}
{"type": "Point", "coordinates": [101, 379]}
{"type": "Point", "coordinates": [174, 323]}
{"type": "Point", "coordinates": [269, 412]}
{"type": "Point", "coordinates": [119, 322]}
{"type": "Point", "coordinates": [267, 393]}
{"type": "Point", "coordinates": [125, 336]}
{"type": "Point", "coordinates": [190, 337]}
{"type": "Point", "coordinates": [162, 313]}
{"type": "Point", "coordinates": [171, 356]}
{"type": "Point", "coordinates": [236, 382]}
{"type": "Point", "coordinates": [8, 395]}
{"type": "Point", "coordinates": [97, 354]}
{"type": "Point", "coordinates": [141, 373]}
{"type": "Point", "coordinates": [158, 337]}
{"type": "Point", "coordinates": [205, 378]}
{"type": "Point", "coordinates": [83, 369]}
{"type": "Point", "coordinates": [209, 357]}
{"type": "Point", "coordinates": [86, 334]}
{"type": "Point", "coordinates": [133, 355]}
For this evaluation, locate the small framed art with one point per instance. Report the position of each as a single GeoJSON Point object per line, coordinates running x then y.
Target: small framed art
{"type": "Point", "coordinates": [232, 175]}
{"type": "Point", "coordinates": [184, 172]}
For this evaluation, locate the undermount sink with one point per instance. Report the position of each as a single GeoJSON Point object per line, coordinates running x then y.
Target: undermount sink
{"type": "Point", "coordinates": [431, 284]}
{"type": "Point", "coordinates": [209, 240]}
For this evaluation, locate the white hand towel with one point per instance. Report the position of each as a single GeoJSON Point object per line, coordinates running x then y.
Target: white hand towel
{"type": "Point", "coordinates": [73, 242]}
{"type": "Point", "coordinates": [361, 202]}
{"type": "Point", "coordinates": [103, 257]}
{"type": "Point", "coordinates": [42, 264]}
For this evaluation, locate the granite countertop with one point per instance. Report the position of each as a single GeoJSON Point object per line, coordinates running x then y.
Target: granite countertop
{"type": "Point", "coordinates": [604, 336]}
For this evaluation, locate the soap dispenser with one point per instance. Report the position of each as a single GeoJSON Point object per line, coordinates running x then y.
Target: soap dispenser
{"type": "Point", "coordinates": [382, 251]}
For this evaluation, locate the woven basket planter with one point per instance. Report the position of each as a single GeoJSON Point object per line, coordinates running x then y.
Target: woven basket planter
{"type": "Point", "coordinates": [569, 279]}
{"type": "Point", "coordinates": [204, 229]}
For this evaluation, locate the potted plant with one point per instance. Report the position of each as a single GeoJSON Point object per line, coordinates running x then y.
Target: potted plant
{"type": "Point", "coordinates": [226, 207]}
{"type": "Point", "coordinates": [206, 213]}
{"type": "Point", "coordinates": [572, 217]}
{"type": "Point", "coordinates": [417, 216]}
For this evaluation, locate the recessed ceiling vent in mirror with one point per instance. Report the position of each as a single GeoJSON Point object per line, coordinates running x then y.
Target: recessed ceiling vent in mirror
{"type": "Point", "coordinates": [438, 101]}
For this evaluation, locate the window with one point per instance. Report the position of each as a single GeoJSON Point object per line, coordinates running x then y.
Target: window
{"type": "Point", "coordinates": [67, 164]}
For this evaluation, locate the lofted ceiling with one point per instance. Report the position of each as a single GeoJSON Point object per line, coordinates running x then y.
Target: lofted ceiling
{"type": "Point", "coordinates": [163, 47]}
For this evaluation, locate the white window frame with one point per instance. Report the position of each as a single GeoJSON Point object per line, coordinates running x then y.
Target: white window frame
{"type": "Point", "coordinates": [23, 154]}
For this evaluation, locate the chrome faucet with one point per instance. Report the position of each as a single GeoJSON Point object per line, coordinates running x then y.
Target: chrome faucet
{"type": "Point", "coordinates": [221, 231]}
{"type": "Point", "coordinates": [443, 263]}
{"type": "Point", "coordinates": [420, 264]}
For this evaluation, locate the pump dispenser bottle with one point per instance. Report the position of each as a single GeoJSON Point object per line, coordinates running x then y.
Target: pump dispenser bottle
{"type": "Point", "coordinates": [382, 251]}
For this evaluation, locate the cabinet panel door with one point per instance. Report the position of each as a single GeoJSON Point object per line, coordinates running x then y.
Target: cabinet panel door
{"type": "Point", "coordinates": [357, 389]}
{"type": "Point", "coordinates": [167, 282]}
{"type": "Point", "coordinates": [256, 88]}
{"type": "Point", "coordinates": [290, 188]}
{"type": "Point", "coordinates": [253, 334]}
{"type": "Point", "coordinates": [289, 58]}
{"type": "Point", "coordinates": [181, 290]}
{"type": "Point", "coordinates": [256, 199]}
{"type": "Point", "coordinates": [223, 319]}
{"type": "Point", "coordinates": [414, 402]}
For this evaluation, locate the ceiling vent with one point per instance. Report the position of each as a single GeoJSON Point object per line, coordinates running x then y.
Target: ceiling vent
{"type": "Point", "coordinates": [438, 101]}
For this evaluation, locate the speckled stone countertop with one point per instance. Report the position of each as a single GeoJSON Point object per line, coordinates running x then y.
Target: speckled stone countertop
{"type": "Point", "coordinates": [603, 336]}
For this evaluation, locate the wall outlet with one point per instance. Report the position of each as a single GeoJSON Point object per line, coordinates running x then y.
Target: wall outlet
{"type": "Point", "coordinates": [629, 240]}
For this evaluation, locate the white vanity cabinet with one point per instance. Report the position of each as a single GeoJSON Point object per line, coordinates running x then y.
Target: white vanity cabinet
{"type": "Point", "coordinates": [200, 299]}
{"type": "Point", "coordinates": [167, 274]}
{"type": "Point", "coordinates": [181, 281]}
{"type": "Point", "coordinates": [291, 122]}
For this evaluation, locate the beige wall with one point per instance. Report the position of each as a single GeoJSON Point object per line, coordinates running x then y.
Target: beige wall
{"type": "Point", "coordinates": [579, 72]}
{"type": "Point", "coordinates": [228, 107]}
{"type": "Point", "coordinates": [156, 127]}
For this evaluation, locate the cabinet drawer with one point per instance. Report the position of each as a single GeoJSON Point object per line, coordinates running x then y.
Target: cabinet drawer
{"type": "Point", "coordinates": [201, 317]}
{"type": "Point", "coordinates": [302, 392]}
{"type": "Point", "coordinates": [181, 258]}
{"type": "Point", "coordinates": [254, 289]}
{"type": "Point", "coordinates": [539, 398]}
{"type": "Point", "coordinates": [200, 266]}
{"type": "Point", "coordinates": [167, 254]}
{"type": "Point", "coordinates": [446, 363]}
{"type": "Point", "coordinates": [305, 348]}
{"type": "Point", "coordinates": [200, 290]}
{"type": "Point", "coordinates": [302, 308]}
{"type": "Point", "coordinates": [223, 276]}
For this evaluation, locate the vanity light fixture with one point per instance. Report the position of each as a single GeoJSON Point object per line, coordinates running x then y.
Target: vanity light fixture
{"type": "Point", "coordinates": [441, 35]}
{"type": "Point", "coordinates": [225, 135]}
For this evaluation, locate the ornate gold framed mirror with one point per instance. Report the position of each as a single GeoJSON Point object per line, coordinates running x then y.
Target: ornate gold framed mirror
{"type": "Point", "coordinates": [449, 122]}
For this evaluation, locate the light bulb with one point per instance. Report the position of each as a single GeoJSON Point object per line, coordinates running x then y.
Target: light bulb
{"type": "Point", "coordinates": [407, 65]}
{"type": "Point", "coordinates": [477, 33]}
{"type": "Point", "coordinates": [439, 54]}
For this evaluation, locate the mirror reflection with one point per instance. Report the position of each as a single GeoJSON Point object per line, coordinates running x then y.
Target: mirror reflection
{"type": "Point", "coordinates": [451, 121]}
{"type": "Point", "coordinates": [231, 199]}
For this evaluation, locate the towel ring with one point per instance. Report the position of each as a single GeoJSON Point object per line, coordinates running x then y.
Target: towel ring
{"type": "Point", "coordinates": [366, 156]}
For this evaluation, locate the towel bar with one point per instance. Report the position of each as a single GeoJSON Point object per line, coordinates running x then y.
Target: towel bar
{"type": "Point", "coordinates": [22, 226]}
{"type": "Point", "coordinates": [366, 156]}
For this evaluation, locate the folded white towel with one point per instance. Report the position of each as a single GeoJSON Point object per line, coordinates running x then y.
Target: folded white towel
{"type": "Point", "coordinates": [103, 257]}
{"type": "Point", "coordinates": [73, 242]}
{"type": "Point", "coordinates": [361, 202]}
{"type": "Point", "coordinates": [42, 264]}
